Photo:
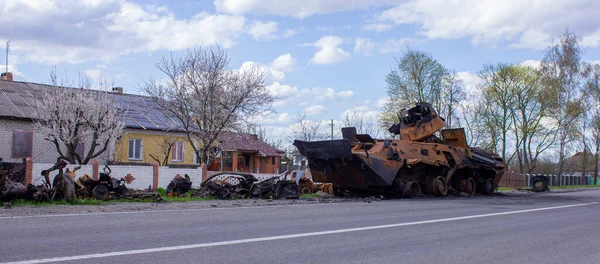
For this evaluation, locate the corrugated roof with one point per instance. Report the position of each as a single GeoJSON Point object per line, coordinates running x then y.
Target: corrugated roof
{"type": "Point", "coordinates": [17, 100]}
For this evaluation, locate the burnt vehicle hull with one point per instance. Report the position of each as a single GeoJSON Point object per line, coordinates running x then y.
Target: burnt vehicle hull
{"type": "Point", "coordinates": [389, 166]}
{"type": "Point", "coordinates": [419, 162]}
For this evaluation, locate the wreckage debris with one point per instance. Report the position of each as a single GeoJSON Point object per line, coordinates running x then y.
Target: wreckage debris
{"type": "Point", "coordinates": [230, 185]}
{"type": "Point", "coordinates": [179, 186]}
{"type": "Point", "coordinates": [418, 163]}
{"type": "Point", "coordinates": [62, 187]}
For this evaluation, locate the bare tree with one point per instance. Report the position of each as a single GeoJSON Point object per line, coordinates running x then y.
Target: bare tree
{"type": "Point", "coordinates": [451, 95]}
{"type": "Point", "coordinates": [306, 129]}
{"type": "Point", "coordinates": [206, 97]}
{"type": "Point", "coordinates": [165, 144]}
{"type": "Point", "coordinates": [81, 123]}
{"type": "Point", "coordinates": [363, 124]}
{"type": "Point", "coordinates": [593, 86]}
{"type": "Point", "coordinates": [562, 73]}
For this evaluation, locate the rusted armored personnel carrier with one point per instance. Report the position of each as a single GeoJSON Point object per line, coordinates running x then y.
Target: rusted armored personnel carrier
{"type": "Point", "coordinates": [417, 162]}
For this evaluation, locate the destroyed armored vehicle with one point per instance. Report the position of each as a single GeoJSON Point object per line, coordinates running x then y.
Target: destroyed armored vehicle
{"type": "Point", "coordinates": [418, 162]}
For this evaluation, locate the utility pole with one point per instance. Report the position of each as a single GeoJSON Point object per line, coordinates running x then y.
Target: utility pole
{"type": "Point", "coordinates": [7, 49]}
{"type": "Point", "coordinates": [331, 129]}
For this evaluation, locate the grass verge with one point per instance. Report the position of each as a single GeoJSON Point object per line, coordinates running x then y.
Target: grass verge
{"type": "Point", "coordinates": [552, 187]}
{"type": "Point", "coordinates": [310, 195]}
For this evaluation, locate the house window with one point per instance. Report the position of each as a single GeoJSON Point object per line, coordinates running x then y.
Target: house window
{"type": "Point", "coordinates": [177, 151]}
{"type": "Point", "coordinates": [226, 159]}
{"type": "Point", "coordinates": [135, 149]}
{"type": "Point", "coordinates": [272, 160]}
{"type": "Point", "coordinates": [22, 144]}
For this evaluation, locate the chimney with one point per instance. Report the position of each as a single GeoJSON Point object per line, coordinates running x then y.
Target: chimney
{"type": "Point", "coordinates": [118, 90]}
{"type": "Point", "coordinates": [6, 76]}
{"type": "Point", "coordinates": [254, 137]}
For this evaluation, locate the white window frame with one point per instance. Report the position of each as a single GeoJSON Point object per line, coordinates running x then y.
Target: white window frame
{"type": "Point", "coordinates": [141, 143]}
{"type": "Point", "coordinates": [174, 152]}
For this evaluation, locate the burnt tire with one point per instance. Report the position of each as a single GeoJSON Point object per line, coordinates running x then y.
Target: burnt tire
{"type": "Point", "coordinates": [413, 190]}
{"type": "Point", "coordinates": [539, 186]}
{"type": "Point", "coordinates": [468, 186]}
{"type": "Point", "coordinates": [487, 187]}
{"type": "Point", "coordinates": [99, 192]}
{"type": "Point", "coordinates": [441, 186]}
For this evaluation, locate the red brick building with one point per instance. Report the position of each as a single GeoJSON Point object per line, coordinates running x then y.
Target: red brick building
{"type": "Point", "coordinates": [243, 152]}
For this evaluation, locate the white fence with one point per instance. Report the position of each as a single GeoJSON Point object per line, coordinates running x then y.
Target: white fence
{"type": "Point", "coordinates": [144, 175]}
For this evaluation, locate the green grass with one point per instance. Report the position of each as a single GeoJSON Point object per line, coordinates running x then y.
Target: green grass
{"type": "Point", "coordinates": [310, 195]}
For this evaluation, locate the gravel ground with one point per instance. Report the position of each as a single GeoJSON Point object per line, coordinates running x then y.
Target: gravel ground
{"type": "Point", "coordinates": [501, 197]}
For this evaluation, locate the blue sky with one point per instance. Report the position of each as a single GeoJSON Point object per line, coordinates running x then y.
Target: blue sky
{"type": "Point", "coordinates": [322, 57]}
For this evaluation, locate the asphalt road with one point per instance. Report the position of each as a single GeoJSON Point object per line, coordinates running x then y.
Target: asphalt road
{"type": "Point", "coordinates": [517, 228]}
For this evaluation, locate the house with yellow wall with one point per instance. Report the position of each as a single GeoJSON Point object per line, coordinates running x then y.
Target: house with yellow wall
{"type": "Point", "coordinates": [147, 137]}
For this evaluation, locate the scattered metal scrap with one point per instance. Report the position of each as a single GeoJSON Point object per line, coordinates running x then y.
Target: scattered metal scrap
{"type": "Point", "coordinates": [179, 186]}
{"type": "Point", "coordinates": [230, 185]}
{"type": "Point", "coordinates": [110, 188]}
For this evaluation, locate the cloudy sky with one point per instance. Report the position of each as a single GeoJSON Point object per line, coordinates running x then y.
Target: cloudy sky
{"type": "Point", "coordinates": [322, 57]}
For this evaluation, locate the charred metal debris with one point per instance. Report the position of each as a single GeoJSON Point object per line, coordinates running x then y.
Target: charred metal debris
{"type": "Point", "coordinates": [230, 185]}
{"type": "Point", "coordinates": [64, 187]}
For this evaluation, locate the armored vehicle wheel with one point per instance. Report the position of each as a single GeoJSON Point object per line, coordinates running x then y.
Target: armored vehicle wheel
{"type": "Point", "coordinates": [429, 188]}
{"type": "Point", "coordinates": [468, 186]}
{"type": "Point", "coordinates": [413, 190]}
{"type": "Point", "coordinates": [99, 192]}
{"type": "Point", "coordinates": [441, 186]}
{"type": "Point", "coordinates": [487, 187]}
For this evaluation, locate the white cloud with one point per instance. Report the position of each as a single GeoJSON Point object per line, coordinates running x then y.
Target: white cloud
{"type": "Point", "coordinates": [263, 30]}
{"type": "Point", "coordinates": [346, 94]}
{"type": "Point", "coordinates": [284, 118]}
{"type": "Point", "coordinates": [289, 33]}
{"type": "Point", "coordinates": [382, 102]}
{"type": "Point", "coordinates": [282, 90]}
{"type": "Point", "coordinates": [275, 71]}
{"type": "Point", "coordinates": [378, 27]}
{"type": "Point", "coordinates": [271, 75]}
{"type": "Point", "coordinates": [364, 46]}
{"type": "Point", "coordinates": [284, 62]}
{"type": "Point", "coordinates": [532, 63]}
{"type": "Point", "coordinates": [315, 110]}
{"type": "Point", "coordinates": [74, 31]}
{"type": "Point", "coordinates": [94, 74]}
{"type": "Point", "coordinates": [330, 52]}
{"type": "Point", "coordinates": [294, 8]}
{"type": "Point", "coordinates": [471, 81]}
{"type": "Point", "coordinates": [510, 22]}
{"type": "Point", "coordinates": [325, 94]}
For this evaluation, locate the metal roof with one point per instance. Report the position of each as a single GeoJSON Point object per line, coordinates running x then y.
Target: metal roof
{"type": "Point", "coordinates": [17, 100]}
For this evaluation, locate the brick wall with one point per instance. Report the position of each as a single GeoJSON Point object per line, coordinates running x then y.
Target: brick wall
{"type": "Point", "coordinates": [43, 151]}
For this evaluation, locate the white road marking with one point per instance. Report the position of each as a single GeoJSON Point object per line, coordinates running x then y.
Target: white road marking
{"type": "Point", "coordinates": [281, 237]}
{"type": "Point", "coordinates": [157, 211]}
